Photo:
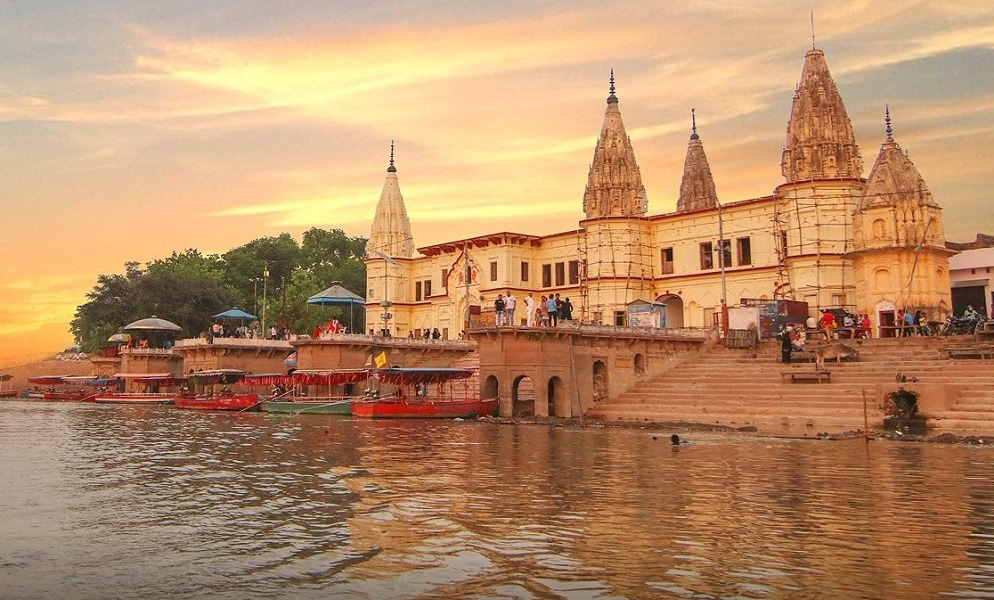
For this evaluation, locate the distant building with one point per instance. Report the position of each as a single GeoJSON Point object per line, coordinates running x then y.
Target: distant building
{"type": "Point", "coordinates": [972, 284]}
{"type": "Point", "coordinates": [826, 236]}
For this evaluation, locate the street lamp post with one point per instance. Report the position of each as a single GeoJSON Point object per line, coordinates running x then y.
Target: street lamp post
{"type": "Point", "coordinates": [721, 263]}
{"type": "Point", "coordinates": [265, 283]}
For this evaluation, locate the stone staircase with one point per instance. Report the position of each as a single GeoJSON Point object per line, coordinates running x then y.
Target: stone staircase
{"type": "Point", "coordinates": [744, 387]}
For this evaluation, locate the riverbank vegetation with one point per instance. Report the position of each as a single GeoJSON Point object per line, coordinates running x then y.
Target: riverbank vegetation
{"type": "Point", "coordinates": [188, 288]}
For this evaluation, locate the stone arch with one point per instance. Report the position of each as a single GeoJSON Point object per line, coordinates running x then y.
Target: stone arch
{"type": "Point", "coordinates": [638, 362]}
{"type": "Point", "coordinates": [491, 387]}
{"type": "Point", "coordinates": [523, 397]}
{"type": "Point", "coordinates": [674, 309]}
{"type": "Point", "coordinates": [599, 383]}
{"type": "Point", "coordinates": [555, 393]}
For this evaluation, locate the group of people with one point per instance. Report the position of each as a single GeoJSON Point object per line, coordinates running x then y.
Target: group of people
{"type": "Point", "coordinates": [912, 323]}
{"type": "Point", "coordinates": [858, 325]}
{"type": "Point", "coordinates": [328, 329]}
{"type": "Point", "coordinates": [218, 330]}
{"type": "Point", "coordinates": [548, 311]}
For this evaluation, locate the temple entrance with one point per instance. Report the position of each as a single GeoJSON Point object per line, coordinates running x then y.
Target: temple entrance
{"type": "Point", "coordinates": [523, 397]}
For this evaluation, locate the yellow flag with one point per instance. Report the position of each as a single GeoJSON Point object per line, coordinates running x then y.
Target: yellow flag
{"type": "Point", "coordinates": [380, 359]}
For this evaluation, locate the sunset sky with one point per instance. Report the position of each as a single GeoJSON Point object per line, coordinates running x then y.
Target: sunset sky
{"type": "Point", "coordinates": [132, 129]}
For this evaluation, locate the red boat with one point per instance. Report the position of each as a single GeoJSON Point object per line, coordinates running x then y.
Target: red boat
{"type": "Point", "coordinates": [212, 398]}
{"type": "Point", "coordinates": [222, 401]}
{"type": "Point", "coordinates": [425, 393]}
{"type": "Point", "coordinates": [75, 392]}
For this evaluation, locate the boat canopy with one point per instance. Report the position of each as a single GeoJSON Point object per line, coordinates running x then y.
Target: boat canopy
{"type": "Point", "coordinates": [87, 380]}
{"type": "Point", "coordinates": [46, 379]}
{"type": "Point", "coordinates": [150, 377]}
{"type": "Point", "coordinates": [329, 376]}
{"type": "Point", "coordinates": [211, 376]}
{"type": "Point", "coordinates": [267, 379]}
{"type": "Point", "coordinates": [419, 375]}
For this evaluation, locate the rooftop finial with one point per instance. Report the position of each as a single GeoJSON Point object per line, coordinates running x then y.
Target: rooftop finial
{"type": "Point", "coordinates": [693, 126]}
{"type": "Point", "coordinates": [612, 99]}
{"type": "Point", "coordinates": [812, 28]}
{"type": "Point", "coordinates": [890, 138]}
{"type": "Point", "coordinates": [391, 168]}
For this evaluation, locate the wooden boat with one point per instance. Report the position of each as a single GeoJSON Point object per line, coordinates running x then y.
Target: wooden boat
{"type": "Point", "coordinates": [327, 402]}
{"type": "Point", "coordinates": [425, 393]}
{"type": "Point", "coordinates": [62, 388]}
{"type": "Point", "coordinates": [211, 398]}
{"type": "Point", "coordinates": [149, 385]}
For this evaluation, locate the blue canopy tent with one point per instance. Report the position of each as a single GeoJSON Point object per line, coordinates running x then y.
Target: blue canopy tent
{"type": "Point", "coordinates": [234, 313]}
{"type": "Point", "coordinates": [337, 294]}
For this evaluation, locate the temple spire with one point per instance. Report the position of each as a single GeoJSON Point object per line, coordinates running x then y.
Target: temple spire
{"type": "Point", "coordinates": [391, 230]}
{"type": "Point", "coordinates": [697, 189]}
{"type": "Point", "coordinates": [614, 184]}
{"type": "Point", "coordinates": [820, 142]}
{"type": "Point", "coordinates": [888, 130]}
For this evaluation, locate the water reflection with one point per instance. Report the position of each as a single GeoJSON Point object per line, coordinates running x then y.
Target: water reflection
{"type": "Point", "coordinates": [137, 502]}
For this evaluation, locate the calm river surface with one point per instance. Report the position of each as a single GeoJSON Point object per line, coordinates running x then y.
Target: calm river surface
{"type": "Point", "coordinates": [101, 501]}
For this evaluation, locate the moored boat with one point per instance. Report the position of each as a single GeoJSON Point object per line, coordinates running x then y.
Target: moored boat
{"type": "Point", "coordinates": [425, 393]}
{"type": "Point", "coordinates": [211, 398]}
{"type": "Point", "coordinates": [149, 392]}
{"type": "Point", "coordinates": [336, 392]}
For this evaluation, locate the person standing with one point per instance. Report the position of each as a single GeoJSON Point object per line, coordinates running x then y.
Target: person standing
{"type": "Point", "coordinates": [529, 310]}
{"type": "Point", "coordinates": [509, 305]}
{"type": "Point", "coordinates": [567, 309]}
{"type": "Point", "coordinates": [786, 345]}
{"type": "Point", "coordinates": [499, 307]}
{"type": "Point", "coordinates": [552, 307]}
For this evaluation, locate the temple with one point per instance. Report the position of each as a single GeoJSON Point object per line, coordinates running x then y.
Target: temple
{"type": "Point", "coordinates": [825, 236]}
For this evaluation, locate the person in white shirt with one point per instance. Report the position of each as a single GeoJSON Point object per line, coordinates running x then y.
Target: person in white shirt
{"type": "Point", "coordinates": [530, 310]}
{"type": "Point", "coordinates": [509, 304]}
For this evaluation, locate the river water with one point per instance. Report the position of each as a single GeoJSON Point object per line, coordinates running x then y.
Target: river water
{"type": "Point", "coordinates": [101, 501]}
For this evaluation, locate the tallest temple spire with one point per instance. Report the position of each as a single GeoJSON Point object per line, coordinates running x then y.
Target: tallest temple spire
{"type": "Point", "coordinates": [614, 184]}
{"type": "Point", "coordinates": [820, 142]}
{"type": "Point", "coordinates": [391, 230]}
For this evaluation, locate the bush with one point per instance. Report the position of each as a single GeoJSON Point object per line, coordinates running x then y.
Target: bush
{"type": "Point", "coordinates": [905, 402]}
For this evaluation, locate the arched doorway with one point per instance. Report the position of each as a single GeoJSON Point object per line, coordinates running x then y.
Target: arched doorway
{"type": "Point", "coordinates": [554, 394]}
{"type": "Point", "coordinates": [885, 316]}
{"type": "Point", "coordinates": [639, 363]}
{"type": "Point", "coordinates": [674, 309]}
{"type": "Point", "coordinates": [600, 381]}
{"type": "Point", "coordinates": [523, 397]}
{"type": "Point", "coordinates": [491, 387]}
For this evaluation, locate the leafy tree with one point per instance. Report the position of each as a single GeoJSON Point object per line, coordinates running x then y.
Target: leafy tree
{"type": "Point", "coordinates": [189, 287]}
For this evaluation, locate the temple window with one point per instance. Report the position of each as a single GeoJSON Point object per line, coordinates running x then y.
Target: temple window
{"type": "Point", "coordinates": [417, 291]}
{"type": "Point", "coordinates": [524, 271]}
{"type": "Point", "coordinates": [574, 272]}
{"type": "Point", "coordinates": [547, 275]}
{"type": "Point", "coordinates": [427, 288]}
{"type": "Point", "coordinates": [493, 270]}
{"type": "Point", "coordinates": [879, 228]}
{"type": "Point", "coordinates": [707, 255]}
{"type": "Point", "coordinates": [744, 247]}
{"type": "Point", "coordinates": [560, 274]}
{"type": "Point", "coordinates": [666, 256]}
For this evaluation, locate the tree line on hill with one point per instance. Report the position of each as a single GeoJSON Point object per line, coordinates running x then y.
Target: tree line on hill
{"type": "Point", "coordinates": [188, 288]}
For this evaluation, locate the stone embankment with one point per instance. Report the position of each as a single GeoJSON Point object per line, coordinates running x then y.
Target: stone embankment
{"type": "Point", "coordinates": [747, 388]}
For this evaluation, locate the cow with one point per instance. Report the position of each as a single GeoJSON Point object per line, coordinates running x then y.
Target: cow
{"type": "Point", "coordinates": [836, 351]}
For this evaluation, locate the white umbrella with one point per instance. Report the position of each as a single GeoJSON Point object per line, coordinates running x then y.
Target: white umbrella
{"type": "Point", "coordinates": [154, 323]}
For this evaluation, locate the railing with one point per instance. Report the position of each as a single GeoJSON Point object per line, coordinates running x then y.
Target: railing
{"type": "Point", "coordinates": [599, 329]}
